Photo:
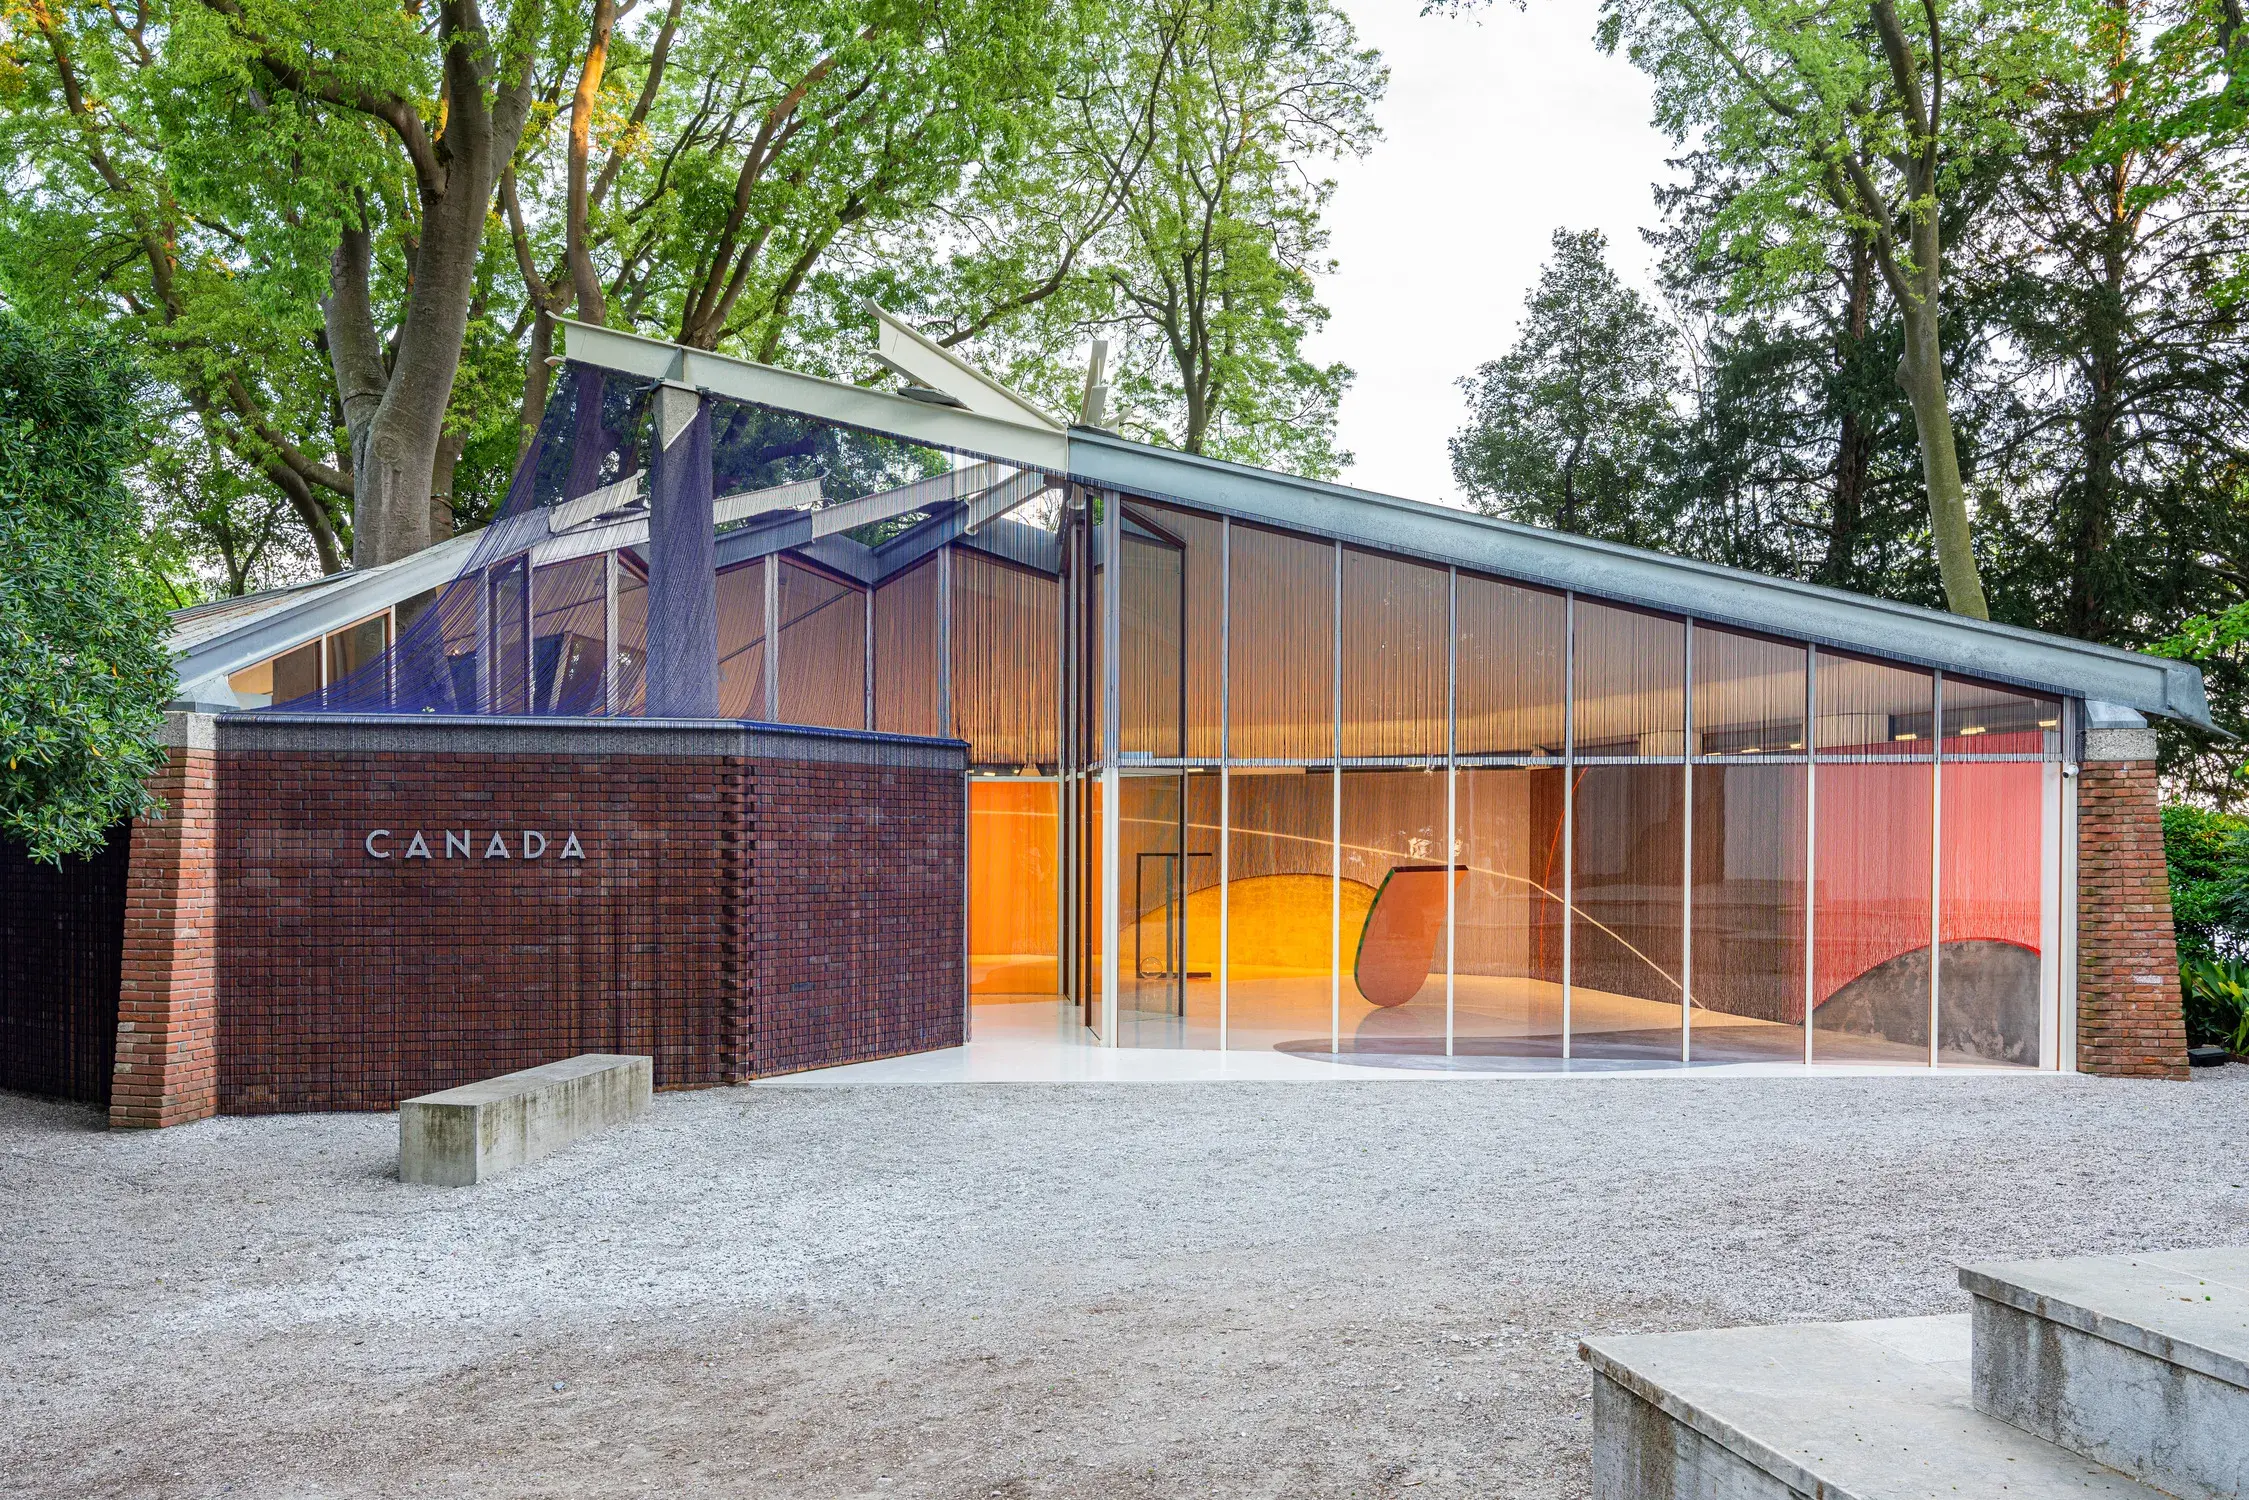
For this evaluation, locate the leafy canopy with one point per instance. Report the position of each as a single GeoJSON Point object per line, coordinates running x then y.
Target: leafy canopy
{"type": "Point", "coordinates": [83, 672]}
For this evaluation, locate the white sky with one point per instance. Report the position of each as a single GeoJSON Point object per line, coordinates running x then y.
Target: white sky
{"type": "Point", "coordinates": [1497, 131]}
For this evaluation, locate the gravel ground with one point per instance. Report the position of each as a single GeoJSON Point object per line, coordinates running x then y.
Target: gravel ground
{"type": "Point", "coordinates": [1228, 1289]}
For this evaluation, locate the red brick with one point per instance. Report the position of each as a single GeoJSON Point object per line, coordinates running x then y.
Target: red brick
{"type": "Point", "coordinates": [2125, 1029]}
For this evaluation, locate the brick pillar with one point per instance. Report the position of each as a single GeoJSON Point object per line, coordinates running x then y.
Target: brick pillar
{"type": "Point", "coordinates": [2129, 1022]}
{"type": "Point", "coordinates": [167, 1002]}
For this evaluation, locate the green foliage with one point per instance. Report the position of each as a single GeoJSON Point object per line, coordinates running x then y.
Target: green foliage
{"type": "Point", "coordinates": [2215, 996]}
{"type": "Point", "coordinates": [83, 672]}
{"type": "Point", "coordinates": [1569, 427]}
{"type": "Point", "coordinates": [2096, 357]}
{"type": "Point", "coordinates": [2207, 854]}
{"type": "Point", "coordinates": [1025, 173]}
{"type": "Point", "coordinates": [1171, 202]}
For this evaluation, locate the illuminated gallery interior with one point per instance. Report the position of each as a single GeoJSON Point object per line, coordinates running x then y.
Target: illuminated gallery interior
{"type": "Point", "coordinates": [1259, 763]}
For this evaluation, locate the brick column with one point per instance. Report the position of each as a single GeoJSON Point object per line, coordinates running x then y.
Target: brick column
{"type": "Point", "coordinates": [2129, 1022]}
{"type": "Point", "coordinates": [167, 1002]}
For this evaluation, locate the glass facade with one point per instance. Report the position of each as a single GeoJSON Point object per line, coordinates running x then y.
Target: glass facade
{"type": "Point", "coordinates": [1235, 785]}
{"type": "Point", "coordinates": [1460, 814]}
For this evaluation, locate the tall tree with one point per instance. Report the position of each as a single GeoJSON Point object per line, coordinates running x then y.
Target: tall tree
{"type": "Point", "coordinates": [96, 222]}
{"type": "Point", "coordinates": [1568, 427]}
{"type": "Point", "coordinates": [1174, 204]}
{"type": "Point", "coordinates": [367, 122]}
{"type": "Point", "coordinates": [1858, 120]}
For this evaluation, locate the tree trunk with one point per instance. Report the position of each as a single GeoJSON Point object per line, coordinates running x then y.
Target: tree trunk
{"type": "Point", "coordinates": [585, 281]}
{"type": "Point", "coordinates": [1854, 439]}
{"type": "Point", "coordinates": [536, 378]}
{"type": "Point", "coordinates": [1921, 370]}
{"type": "Point", "coordinates": [1921, 373]}
{"type": "Point", "coordinates": [395, 436]}
{"type": "Point", "coordinates": [442, 520]}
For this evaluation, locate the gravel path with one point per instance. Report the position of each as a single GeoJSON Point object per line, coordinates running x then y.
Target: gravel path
{"type": "Point", "coordinates": [1085, 1290]}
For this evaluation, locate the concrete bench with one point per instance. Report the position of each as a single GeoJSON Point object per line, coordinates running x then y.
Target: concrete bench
{"type": "Point", "coordinates": [459, 1136]}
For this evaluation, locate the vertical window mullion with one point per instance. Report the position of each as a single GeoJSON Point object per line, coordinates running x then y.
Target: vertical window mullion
{"type": "Point", "coordinates": [609, 571]}
{"type": "Point", "coordinates": [1335, 817]}
{"type": "Point", "coordinates": [773, 638]}
{"type": "Point", "coordinates": [1452, 816]}
{"type": "Point", "coordinates": [1569, 811]}
{"type": "Point", "coordinates": [1811, 842]}
{"type": "Point", "coordinates": [1936, 854]}
{"type": "Point", "coordinates": [1225, 765]}
{"type": "Point", "coordinates": [1112, 606]}
{"type": "Point", "coordinates": [1687, 859]}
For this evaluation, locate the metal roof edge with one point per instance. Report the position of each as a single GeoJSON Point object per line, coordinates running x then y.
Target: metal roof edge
{"type": "Point", "coordinates": [333, 602]}
{"type": "Point", "coordinates": [974, 433]}
{"type": "Point", "coordinates": [1706, 591]}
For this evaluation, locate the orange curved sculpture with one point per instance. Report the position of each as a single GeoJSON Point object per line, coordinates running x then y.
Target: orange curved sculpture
{"type": "Point", "coordinates": [1398, 944]}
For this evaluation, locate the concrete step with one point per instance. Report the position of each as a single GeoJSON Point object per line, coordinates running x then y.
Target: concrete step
{"type": "Point", "coordinates": [2139, 1361]}
{"type": "Point", "coordinates": [1828, 1411]}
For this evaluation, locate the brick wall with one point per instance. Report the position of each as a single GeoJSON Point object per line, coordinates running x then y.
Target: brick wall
{"type": "Point", "coordinates": [855, 928]}
{"type": "Point", "coordinates": [733, 913]}
{"type": "Point", "coordinates": [2128, 1017]}
{"type": "Point", "coordinates": [166, 1061]}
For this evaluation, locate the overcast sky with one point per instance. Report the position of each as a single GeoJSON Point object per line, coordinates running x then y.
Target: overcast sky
{"type": "Point", "coordinates": [1497, 131]}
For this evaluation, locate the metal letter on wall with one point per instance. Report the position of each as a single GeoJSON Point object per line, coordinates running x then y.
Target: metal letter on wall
{"type": "Point", "coordinates": [682, 563]}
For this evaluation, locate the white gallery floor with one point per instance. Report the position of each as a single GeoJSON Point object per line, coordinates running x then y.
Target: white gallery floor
{"type": "Point", "coordinates": [1041, 1041]}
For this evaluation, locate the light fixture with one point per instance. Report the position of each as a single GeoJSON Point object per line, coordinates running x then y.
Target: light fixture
{"type": "Point", "coordinates": [1973, 728]}
{"type": "Point", "coordinates": [2049, 723]}
{"type": "Point", "coordinates": [1908, 735]}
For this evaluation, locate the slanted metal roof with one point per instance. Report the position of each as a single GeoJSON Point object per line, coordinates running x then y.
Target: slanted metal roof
{"type": "Point", "coordinates": [1102, 460]}
{"type": "Point", "coordinates": [214, 640]}
{"type": "Point", "coordinates": [1633, 575]}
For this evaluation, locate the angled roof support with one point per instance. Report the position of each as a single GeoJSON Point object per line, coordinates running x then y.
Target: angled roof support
{"type": "Point", "coordinates": [1002, 498]}
{"type": "Point", "coordinates": [1023, 438]}
{"type": "Point", "coordinates": [955, 522]}
{"type": "Point", "coordinates": [919, 359]}
{"type": "Point", "coordinates": [922, 494]}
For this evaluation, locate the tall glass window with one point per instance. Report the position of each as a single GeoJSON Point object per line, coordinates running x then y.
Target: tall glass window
{"type": "Point", "coordinates": [823, 650]}
{"type": "Point", "coordinates": [1281, 648]}
{"type": "Point", "coordinates": [1203, 538]}
{"type": "Point", "coordinates": [1512, 654]}
{"type": "Point", "coordinates": [1393, 642]}
{"type": "Point", "coordinates": [1167, 837]}
{"type": "Point", "coordinates": [1280, 899]}
{"type": "Point", "coordinates": [1507, 938]}
{"type": "Point", "coordinates": [570, 635]}
{"type": "Point", "coordinates": [1628, 830]}
{"type": "Point", "coordinates": [1013, 903]}
{"type": "Point", "coordinates": [1746, 966]}
{"type": "Point", "coordinates": [1007, 663]}
{"type": "Point", "coordinates": [1151, 678]}
{"type": "Point", "coordinates": [511, 622]}
{"type": "Point", "coordinates": [1874, 793]}
{"type": "Point", "coordinates": [1393, 909]}
{"type": "Point", "coordinates": [1997, 901]}
{"type": "Point", "coordinates": [1631, 681]}
{"type": "Point", "coordinates": [741, 642]}
{"type": "Point", "coordinates": [907, 641]}
{"type": "Point", "coordinates": [632, 634]}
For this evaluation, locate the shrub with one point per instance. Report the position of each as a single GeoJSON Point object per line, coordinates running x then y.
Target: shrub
{"type": "Point", "coordinates": [2208, 856]}
{"type": "Point", "coordinates": [83, 670]}
{"type": "Point", "coordinates": [2216, 997]}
